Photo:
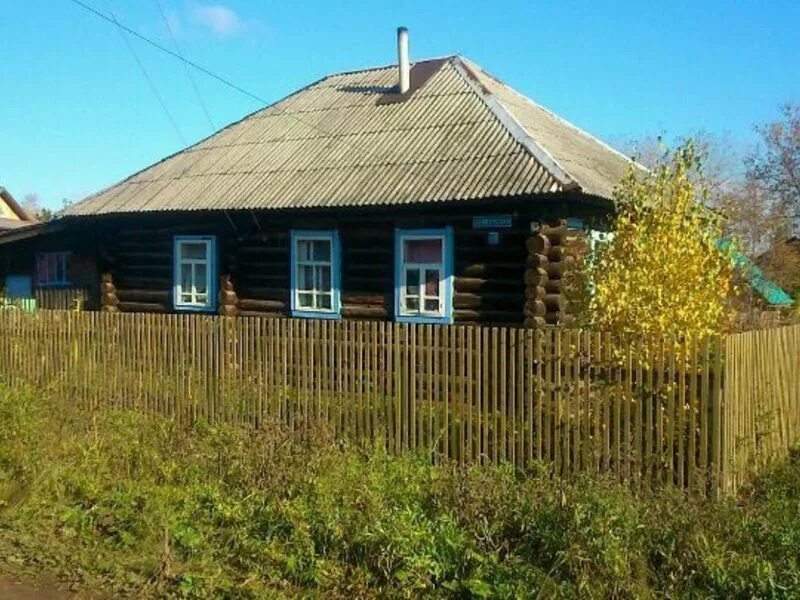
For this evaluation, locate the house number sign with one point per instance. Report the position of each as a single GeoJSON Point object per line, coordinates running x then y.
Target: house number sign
{"type": "Point", "coordinates": [492, 222]}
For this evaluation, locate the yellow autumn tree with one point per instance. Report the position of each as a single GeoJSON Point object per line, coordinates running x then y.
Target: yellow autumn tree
{"type": "Point", "coordinates": [665, 270]}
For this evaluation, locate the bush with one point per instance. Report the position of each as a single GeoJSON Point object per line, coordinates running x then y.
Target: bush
{"type": "Point", "coordinates": [144, 506]}
{"type": "Point", "coordinates": [666, 271]}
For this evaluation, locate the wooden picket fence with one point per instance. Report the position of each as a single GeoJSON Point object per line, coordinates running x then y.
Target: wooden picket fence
{"type": "Point", "coordinates": [64, 298]}
{"type": "Point", "coordinates": [761, 399]}
{"type": "Point", "coordinates": [698, 416]}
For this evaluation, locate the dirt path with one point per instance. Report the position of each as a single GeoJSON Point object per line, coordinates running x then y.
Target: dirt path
{"type": "Point", "coordinates": [16, 590]}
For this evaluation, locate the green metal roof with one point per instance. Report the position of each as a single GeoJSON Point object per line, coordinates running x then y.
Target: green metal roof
{"type": "Point", "coordinates": [755, 277]}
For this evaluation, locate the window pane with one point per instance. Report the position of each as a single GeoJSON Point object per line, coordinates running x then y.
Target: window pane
{"type": "Point", "coordinates": [324, 301]}
{"type": "Point", "coordinates": [304, 250]}
{"type": "Point", "coordinates": [412, 303]}
{"type": "Point", "coordinates": [422, 251]}
{"type": "Point", "coordinates": [305, 300]}
{"type": "Point", "coordinates": [186, 278]}
{"type": "Point", "coordinates": [41, 268]}
{"type": "Point", "coordinates": [412, 282]}
{"type": "Point", "coordinates": [66, 261]}
{"type": "Point", "coordinates": [186, 297]}
{"type": "Point", "coordinates": [306, 278]}
{"type": "Point", "coordinates": [431, 305]}
{"type": "Point", "coordinates": [324, 279]}
{"type": "Point", "coordinates": [432, 282]}
{"type": "Point", "coordinates": [322, 250]}
{"type": "Point", "coordinates": [193, 250]}
{"type": "Point", "coordinates": [59, 270]}
{"type": "Point", "coordinates": [52, 267]}
{"type": "Point", "coordinates": [200, 278]}
{"type": "Point", "coordinates": [201, 299]}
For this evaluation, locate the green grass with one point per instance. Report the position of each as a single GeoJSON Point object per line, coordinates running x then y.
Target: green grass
{"type": "Point", "coordinates": [148, 507]}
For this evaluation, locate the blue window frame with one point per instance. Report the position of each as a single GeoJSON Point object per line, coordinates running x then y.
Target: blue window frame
{"type": "Point", "coordinates": [315, 274]}
{"type": "Point", "coordinates": [195, 273]}
{"type": "Point", "coordinates": [423, 275]}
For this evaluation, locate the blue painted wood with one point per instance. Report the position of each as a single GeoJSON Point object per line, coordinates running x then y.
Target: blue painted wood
{"type": "Point", "coordinates": [449, 261]}
{"type": "Point", "coordinates": [336, 304]}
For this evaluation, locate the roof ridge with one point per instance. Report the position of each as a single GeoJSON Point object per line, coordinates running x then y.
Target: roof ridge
{"type": "Point", "coordinates": [507, 119]}
{"type": "Point", "coordinates": [16, 207]}
{"type": "Point", "coordinates": [558, 118]}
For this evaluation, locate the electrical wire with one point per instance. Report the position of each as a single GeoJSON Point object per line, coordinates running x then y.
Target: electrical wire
{"type": "Point", "coordinates": [185, 66]}
{"type": "Point", "coordinates": [224, 81]}
{"type": "Point", "coordinates": [150, 82]}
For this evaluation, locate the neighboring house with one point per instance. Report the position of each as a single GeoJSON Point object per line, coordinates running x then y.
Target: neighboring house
{"type": "Point", "coordinates": [12, 215]}
{"type": "Point", "coordinates": [449, 201]}
{"type": "Point", "coordinates": [782, 262]}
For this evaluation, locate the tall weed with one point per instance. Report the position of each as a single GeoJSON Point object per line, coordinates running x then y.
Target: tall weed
{"type": "Point", "coordinates": [149, 507]}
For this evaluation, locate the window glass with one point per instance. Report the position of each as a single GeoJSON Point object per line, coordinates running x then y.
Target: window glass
{"type": "Point", "coordinates": [304, 250]}
{"type": "Point", "coordinates": [424, 274]}
{"type": "Point", "coordinates": [306, 300]}
{"type": "Point", "coordinates": [313, 271]}
{"type": "Point", "coordinates": [431, 305]}
{"type": "Point", "coordinates": [306, 278]}
{"type": "Point", "coordinates": [200, 278]}
{"type": "Point", "coordinates": [193, 251]}
{"type": "Point", "coordinates": [52, 268]}
{"type": "Point", "coordinates": [422, 251]}
{"type": "Point", "coordinates": [194, 271]}
{"type": "Point", "coordinates": [412, 281]}
{"type": "Point", "coordinates": [324, 278]}
{"type": "Point", "coordinates": [186, 277]}
{"type": "Point", "coordinates": [325, 301]}
{"type": "Point", "coordinates": [432, 279]}
{"type": "Point", "coordinates": [322, 250]}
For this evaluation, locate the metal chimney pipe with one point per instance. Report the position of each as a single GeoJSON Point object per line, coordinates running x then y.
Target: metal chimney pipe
{"type": "Point", "coordinates": [402, 59]}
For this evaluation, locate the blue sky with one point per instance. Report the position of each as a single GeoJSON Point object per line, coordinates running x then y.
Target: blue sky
{"type": "Point", "coordinates": [77, 114]}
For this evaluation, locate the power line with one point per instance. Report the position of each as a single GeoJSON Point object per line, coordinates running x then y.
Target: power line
{"type": "Point", "coordinates": [223, 80]}
{"type": "Point", "coordinates": [150, 82]}
{"type": "Point", "coordinates": [185, 66]}
{"type": "Point", "coordinates": [170, 52]}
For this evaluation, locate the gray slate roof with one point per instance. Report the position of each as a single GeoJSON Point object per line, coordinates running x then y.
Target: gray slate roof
{"type": "Point", "coordinates": [351, 140]}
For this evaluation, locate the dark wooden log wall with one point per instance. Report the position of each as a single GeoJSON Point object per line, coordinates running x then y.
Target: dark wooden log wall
{"type": "Point", "coordinates": [137, 261]}
{"type": "Point", "coordinates": [511, 282]}
{"type": "Point", "coordinates": [488, 282]}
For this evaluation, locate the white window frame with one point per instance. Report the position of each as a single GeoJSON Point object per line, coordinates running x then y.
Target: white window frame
{"type": "Point", "coordinates": [62, 258]}
{"type": "Point", "coordinates": [444, 312]}
{"type": "Point", "coordinates": [210, 261]}
{"type": "Point", "coordinates": [332, 237]}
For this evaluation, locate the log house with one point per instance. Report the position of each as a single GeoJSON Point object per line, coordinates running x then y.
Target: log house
{"type": "Point", "coordinates": [451, 201]}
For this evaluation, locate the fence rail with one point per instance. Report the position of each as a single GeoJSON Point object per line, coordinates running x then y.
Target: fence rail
{"type": "Point", "coordinates": [649, 411]}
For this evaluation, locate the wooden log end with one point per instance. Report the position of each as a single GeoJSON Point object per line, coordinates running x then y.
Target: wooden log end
{"type": "Point", "coordinates": [227, 310]}
{"type": "Point", "coordinates": [556, 254]}
{"type": "Point", "coordinates": [536, 260]}
{"type": "Point", "coordinates": [537, 244]}
{"type": "Point", "coordinates": [535, 308]}
{"type": "Point", "coordinates": [535, 292]}
{"type": "Point", "coordinates": [555, 302]}
{"type": "Point", "coordinates": [534, 322]}
{"type": "Point", "coordinates": [535, 276]}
